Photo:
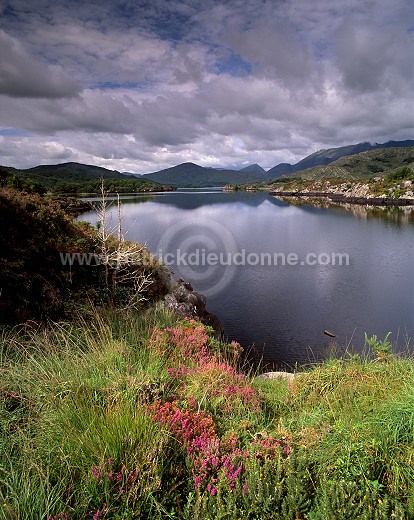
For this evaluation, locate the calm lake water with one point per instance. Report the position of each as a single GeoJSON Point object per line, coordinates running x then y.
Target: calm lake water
{"type": "Point", "coordinates": [280, 311]}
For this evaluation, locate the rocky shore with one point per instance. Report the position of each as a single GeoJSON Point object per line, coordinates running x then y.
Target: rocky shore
{"type": "Point", "coordinates": [74, 206]}
{"type": "Point", "coordinates": [186, 302]}
{"type": "Point", "coordinates": [372, 193]}
{"type": "Point", "coordinates": [344, 198]}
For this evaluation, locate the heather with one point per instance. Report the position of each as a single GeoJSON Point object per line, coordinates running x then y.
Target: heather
{"type": "Point", "coordinates": [143, 415]}
{"type": "Point", "coordinates": [35, 284]}
{"type": "Point", "coordinates": [113, 407]}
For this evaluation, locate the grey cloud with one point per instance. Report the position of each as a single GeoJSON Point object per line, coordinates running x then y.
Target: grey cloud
{"type": "Point", "coordinates": [22, 76]}
{"type": "Point", "coordinates": [274, 51]}
{"type": "Point", "coordinates": [371, 58]}
{"type": "Point", "coordinates": [88, 113]}
{"type": "Point", "coordinates": [318, 80]}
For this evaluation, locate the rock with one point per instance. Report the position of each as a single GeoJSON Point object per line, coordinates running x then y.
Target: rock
{"type": "Point", "coordinates": [186, 310]}
{"type": "Point", "coordinates": [170, 301]}
{"type": "Point", "coordinates": [192, 298]}
{"type": "Point", "coordinates": [180, 292]}
{"type": "Point", "coordinates": [201, 298]}
{"type": "Point", "coordinates": [277, 375]}
{"type": "Point", "coordinates": [190, 304]}
{"type": "Point", "coordinates": [185, 284]}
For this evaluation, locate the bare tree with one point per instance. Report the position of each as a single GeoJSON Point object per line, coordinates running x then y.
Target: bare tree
{"type": "Point", "coordinates": [124, 262]}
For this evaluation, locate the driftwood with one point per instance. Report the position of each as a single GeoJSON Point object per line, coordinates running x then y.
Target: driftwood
{"type": "Point", "coordinates": [329, 333]}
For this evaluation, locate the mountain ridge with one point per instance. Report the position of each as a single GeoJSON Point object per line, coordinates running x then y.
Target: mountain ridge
{"type": "Point", "coordinates": [253, 168]}
{"type": "Point", "coordinates": [363, 165]}
{"type": "Point", "coordinates": [189, 174]}
{"type": "Point", "coordinates": [326, 156]}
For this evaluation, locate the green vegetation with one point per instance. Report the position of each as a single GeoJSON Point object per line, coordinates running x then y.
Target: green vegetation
{"type": "Point", "coordinates": [44, 259]}
{"type": "Point", "coordinates": [129, 185]}
{"type": "Point", "coordinates": [74, 178]}
{"type": "Point", "coordinates": [193, 175]}
{"type": "Point", "coordinates": [143, 416]}
{"type": "Point", "coordinates": [120, 410]}
{"type": "Point", "coordinates": [377, 173]}
{"type": "Point", "coordinates": [360, 166]}
{"type": "Point", "coordinates": [324, 157]}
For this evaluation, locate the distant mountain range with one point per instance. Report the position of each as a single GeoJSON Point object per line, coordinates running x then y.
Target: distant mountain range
{"type": "Point", "coordinates": [253, 168]}
{"type": "Point", "coordinates": [192, 175]}
{"type": "Point", "coordinates": [50, 174]}
{"type": "Point", "coordinates": [323, 157]}
{"type": "Point", "coordinates": [72, 178]}
{"type": "Point", "coordinates": [363, 165]}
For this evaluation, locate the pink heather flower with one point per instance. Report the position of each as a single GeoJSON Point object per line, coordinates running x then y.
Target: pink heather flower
{"type": "Point", "coordinates": [211, 489]}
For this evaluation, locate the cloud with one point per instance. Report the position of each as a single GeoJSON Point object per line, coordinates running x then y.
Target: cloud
{"type": "Point", "coordinates": [370, 59]}
{"type": "Point", "coordinates": [143, 85]}
{"type": "Point", "coordinates": [274, 51]}
{"type": "Point", "coordinates": [28, 150]}
{"type": "Point", "coordinates": [21, 76]}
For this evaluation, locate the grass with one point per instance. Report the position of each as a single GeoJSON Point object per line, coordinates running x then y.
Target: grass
{"type": "Point", "coordinates": [144, 416]}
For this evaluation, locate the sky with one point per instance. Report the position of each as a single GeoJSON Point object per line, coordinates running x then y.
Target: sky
{"type": "Point", "coordinates": [141, 85]}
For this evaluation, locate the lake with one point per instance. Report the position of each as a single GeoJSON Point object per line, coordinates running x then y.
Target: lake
{"type": "Point", "coordinates": [276, 274]}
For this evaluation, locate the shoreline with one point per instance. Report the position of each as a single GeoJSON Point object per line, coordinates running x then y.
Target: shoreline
{"type": "Point", "coordinates": [341, 198]}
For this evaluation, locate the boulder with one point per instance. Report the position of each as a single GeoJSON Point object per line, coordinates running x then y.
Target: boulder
{"type": "Point", "coordinates": [277, 375]}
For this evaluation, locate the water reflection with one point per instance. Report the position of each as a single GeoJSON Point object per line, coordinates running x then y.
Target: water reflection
{"type": "Point", "coordinates": [283, 309]}
{"type": "Point", "coordinates": [400, 216]}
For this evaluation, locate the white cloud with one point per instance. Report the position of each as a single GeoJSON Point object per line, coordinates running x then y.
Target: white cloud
{"type": "Point", "coordinates": [218, 83]}
{"type": "Point", "coordinates": [25, 152]}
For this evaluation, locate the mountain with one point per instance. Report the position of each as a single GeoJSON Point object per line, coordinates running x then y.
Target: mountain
{"type": "Point", "coordinates": [280, 169]}
{"type": "Point", "coordinates": [253, 168]}
{"type": "Point", "coordinates": [129, 174]}
{"type": "Point", "coordinates": [371, 163]}
{"type": "Point", "coordinates": [192, 175]}
{"type": "Point", "coordinates": [70, 172]}
{"type": "Point", "coordinates": [324, 157]}
{"type": "Point", "coordinates": [73, 178]}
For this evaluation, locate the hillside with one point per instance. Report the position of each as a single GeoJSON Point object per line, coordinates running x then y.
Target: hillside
{"type": "Point", "coordinates": [366, 164]}
{"type": "Point", "coordinates": [193, 175]}
{"type": "Point", "coordinates": [36, 282]}
{"type": "Point", "coordinates": [324, 157]}
{"type": "Point", "coordinates": [71, 172]}
{"type": "Point", "coordinates": [253, 168]}
{"type": "Point", "coordinates": [73, 178]}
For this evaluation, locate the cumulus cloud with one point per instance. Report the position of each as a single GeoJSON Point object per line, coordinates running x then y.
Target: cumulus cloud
{"type": "Point", "coordinates": [24, 152]}
{"type": "Point", "coordinates": [21, 76]}
{"type": "Point", "coordinates": [140, 86]}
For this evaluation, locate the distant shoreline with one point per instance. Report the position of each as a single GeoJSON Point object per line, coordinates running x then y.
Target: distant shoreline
{"type": "Point", "coordinates": [341, 198]}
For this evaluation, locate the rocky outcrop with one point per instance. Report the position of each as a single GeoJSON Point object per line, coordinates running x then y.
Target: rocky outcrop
{"type": "Point", "coordinates": [186, 302]}
{"type": "Point", "coordinates": [375, 192]}
{"type": "Point", "coordinates": [74, 206]}
{"type": "Point", "coordinates": [340, 198]}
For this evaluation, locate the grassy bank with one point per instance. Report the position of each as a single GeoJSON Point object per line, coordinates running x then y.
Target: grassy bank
{"type": "Point", "coordinates": [144, 416]}
{"type": "Point", "coordinates": [123, 411]}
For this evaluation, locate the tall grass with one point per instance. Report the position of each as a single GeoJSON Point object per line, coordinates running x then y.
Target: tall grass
{"type": "Point", "coordinates": [144, 416]}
